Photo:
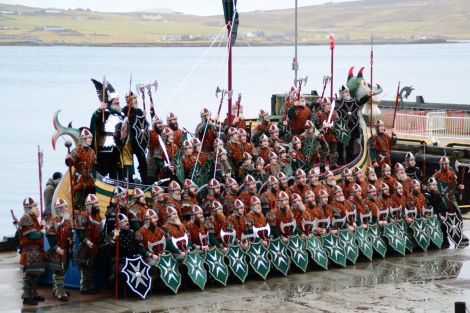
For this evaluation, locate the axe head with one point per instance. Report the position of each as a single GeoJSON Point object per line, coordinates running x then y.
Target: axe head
{"type": "Point", "coordinates": [239, 96]}
{"type": "Point", "coordinates": [138, 88]}
{"type": "Point", "coordinates": [301, 82]}
{"type": "Point", "coordinates": [154, 85]}
{"type": "Point", "coordinates": [217, 91]}
{"type": "Point", "coordinates": [464, 166]}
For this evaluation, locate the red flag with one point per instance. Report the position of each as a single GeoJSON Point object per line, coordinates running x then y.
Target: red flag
{"type": "Point", "coordinates": [332, 41]}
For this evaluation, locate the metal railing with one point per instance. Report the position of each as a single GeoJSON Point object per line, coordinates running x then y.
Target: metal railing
{"type": "Point", "coordinates": [433, 126]}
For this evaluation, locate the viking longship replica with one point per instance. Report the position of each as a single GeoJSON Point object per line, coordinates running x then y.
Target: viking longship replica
{"type": "Point", "coordinates": [258, 251]}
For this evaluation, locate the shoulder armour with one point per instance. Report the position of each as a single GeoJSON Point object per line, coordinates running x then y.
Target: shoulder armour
{"type": "Point", "coordinates": [25, 221]}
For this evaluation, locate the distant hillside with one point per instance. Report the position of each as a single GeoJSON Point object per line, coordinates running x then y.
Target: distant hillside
{"type": "Point", "coordinates": [351, 22]}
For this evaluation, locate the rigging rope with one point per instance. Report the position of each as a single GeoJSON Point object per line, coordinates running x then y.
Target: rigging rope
{"type": "Point", "coordinates": [183, 82]}
{"type": "Point", "coordinates": [279, 85]}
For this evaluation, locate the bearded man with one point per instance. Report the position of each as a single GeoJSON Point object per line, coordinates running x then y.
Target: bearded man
{"type": "Point", "coordinates": [105, 126]}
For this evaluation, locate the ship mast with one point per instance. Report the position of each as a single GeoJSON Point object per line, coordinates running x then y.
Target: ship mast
{"type": "Point", "coordinates": [295, 64]}
{"type": "Point", "coordinates": [229, 79]}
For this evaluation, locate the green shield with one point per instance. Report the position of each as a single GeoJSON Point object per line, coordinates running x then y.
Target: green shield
{"type": "Point", "coordinates": [217, 267]}
{"type": "Point", "coordinates": [203, 174]}
{"type": "Point", "coordinates": [341, 130]}
{"type": "Point", "coordinates": [178, 164]}
{"type": "Point", "coordinates": [288, 170]}
{"type": "Point", "coordinates": [169, 272]}
{"type": "Point", "coordinates": [298, 254]}
{"type": "Point", "coordinates": [404, 229]}
{"type": "Point", "coordinates": [278, 252]}
{"type": "Point", "coordinates": [350, 247]}
{"type": "Point", "coordinates": [444, 190]}
{"type": "Point", "coordinates": [259, 260]}
{"type": "Point", "coordinates": [317, 253]}
{"type": "Point", "coordinates": [196, 271]}
{"type": "Point", "coordinates": [394, 237]}
{"type": "Point", "coordinates": [309, 146]}
{"type": "Point", "coordinates": [376, 239]}
{"type": "Point", "coordinates": [333, 248]}
{"type": "Point", "coordinates": [434, 231]}
{"type": "Point", "coordinates": [363, 241]}
{"type": "Point", "coordinates": [420, 233]}
{"type": "Point", "coordinates": [237, 262]}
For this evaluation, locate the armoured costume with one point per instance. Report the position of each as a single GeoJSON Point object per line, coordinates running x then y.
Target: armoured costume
{"type": "Point", "coordinates": [328, 141]}
{"type": "Point", "coordinates": [59, 236]}
{"type": "Point", "coordinates": [83, 159]}
{"type": "Point", "coordinates": [87, 227]}
{"type": "Point", "coordinates": [32, 254]}
{"type": "Point", "coordinates": [138, 136]}
{"type": "Point", "coordinates": [105, 125]}
{"type": "Point", "coordinates": [298, 114]}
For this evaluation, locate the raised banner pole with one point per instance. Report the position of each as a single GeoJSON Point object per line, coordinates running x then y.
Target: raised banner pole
{"type": "Point", "coordinates": [332, 48]}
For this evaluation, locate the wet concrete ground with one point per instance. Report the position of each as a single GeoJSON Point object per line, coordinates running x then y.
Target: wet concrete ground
{"type": "Point", "coordinates": [420, 282]}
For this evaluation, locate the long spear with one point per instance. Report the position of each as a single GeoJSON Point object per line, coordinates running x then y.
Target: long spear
{"type": "Point", "coordinates": [104, 97]}
{"type": "Point", "coordinates": [40, 162]}
{"type": "Point", "coordinates": [396, 105]}
{"type": "Point", "coordinates": [332, 48]}
{"type": "Point", "coordinates": [395, 112]}
{"type": "Point", "coordinates": [371, 79]}
{"type": "Point", "coordinates": [116, 265]}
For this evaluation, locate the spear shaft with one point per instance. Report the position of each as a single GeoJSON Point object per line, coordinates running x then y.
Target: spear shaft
{"type": "Point", "coordinates": [40, 160]}
{"type": "Point", "coordinates": [371, 80]}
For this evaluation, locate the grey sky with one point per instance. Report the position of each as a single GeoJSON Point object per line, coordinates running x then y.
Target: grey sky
{"type": "Point", "coordinates": [196, 7]}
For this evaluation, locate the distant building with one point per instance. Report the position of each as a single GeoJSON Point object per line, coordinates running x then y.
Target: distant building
{"type": "Point", "coordinates": [256, 34]}
{"type": "Point", "coordinates": [158, 17]}
{"type": "Point", "coordinates": [52, 28]}
{"type": "Point", "coordinates": [7, 12]}
{"type": "Point", "coordinates": [52, 12]}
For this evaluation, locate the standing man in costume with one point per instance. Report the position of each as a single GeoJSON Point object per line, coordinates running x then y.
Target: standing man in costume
{"type": "Point", "coordinates": [448, 186]}
{"type": "Point", "coordinates": [206, 131]}
{"type": "Point", "coordinates": [83, 159]}
{"type": "Point", "coordinates": [298, 114]}
{"type": "Point", "coordinates": [151, 237]}
{"type": "Point", "coordinates": [165, 167]}
{"type": "Point", "coordinates": [328, 142]}
{"type": "Point", "coordinates": [105, 126]}
{"type": "Point", "coordinates": [135, 137]}
{"type": "Point", "coordinates": [413, 171]}
{"type": "Point", "coordinates": [87, 228]}
{"type": "Point", "coordinates": [380, 145]}
{"type": "Point", "coordinates": [349, 110]}
{"type": "Point", "coordinates": [59, 235]}
{"type": "Point", "coordinates": [152, 146]}
{"type": "Point", "coordinates": [262, 128]}
{"type": "Point", "coordinates": [172, 121]}
{"type": "Point", "coordinates": [32, 243]}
